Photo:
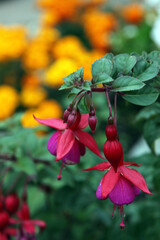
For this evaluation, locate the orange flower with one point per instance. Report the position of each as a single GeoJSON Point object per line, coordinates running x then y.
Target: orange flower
{"type": "Point", "coordinates": [133, 13]}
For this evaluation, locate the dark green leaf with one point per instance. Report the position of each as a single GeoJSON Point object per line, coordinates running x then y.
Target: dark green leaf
{"type": "Point", "coordinates": [144, 70]}
{"type": "Point", "coordinates": [152, 132]}
{"type": "Point", "coordinates": [149, 112]}
{"type": "Point", "coordinates": [103, 78]}
{"type": "Point", "coordinates": [155, 57]}
{"type": "Point", "coordinates": [124, 63]}
{"type": "Point", "coordinates": [103, 67]}
{"type": "Point", "coordinates": [86, 85]}
{"type": "Point", "coordinates": [127, 83]}
{"type": "Point", "coordinates": [66, 85]}
{"type": "Point", "coordinates": [142, 97]}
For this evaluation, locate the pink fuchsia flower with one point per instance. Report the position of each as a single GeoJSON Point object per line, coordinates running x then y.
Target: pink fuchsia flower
{"type": "Point", "coordinates": [120, 186]}
{"type": "Point", "coordinates": [27, 224]}
{"type": "Point", "coordinates": [68, 144]}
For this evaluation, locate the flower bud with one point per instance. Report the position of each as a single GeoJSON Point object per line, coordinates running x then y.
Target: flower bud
{"type": "Point", "coordinates": [4, 219]}
{"type": "Point", "coordinates": [66, 113]}
{"type": "Point", "coordinates": [92, 121]}
{"type": "Point", "coordinates": [111, 132]}
{"type": "Point", "coordinates": [12, 203]}
{"type": "Point", "coordinates": [113, 151]}
{"type": "Point", "coordinates": [71, 118]}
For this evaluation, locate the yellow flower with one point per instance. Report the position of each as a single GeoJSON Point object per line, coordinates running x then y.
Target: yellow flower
{"type": "Point", "coordinates": [13, 42]}
{"type": "Point", "coordinates": [59, 69]}
{"type": "Point", "coordinates": [9, 101]}
{"type": "Point", "coordinates": [32, 97]}
{"type": "Point", "coordinates": [69, 47]}
{"type": "Point", "coordinates": [47, 109]}
{"type": "Point", "coordinates": [36, 56]}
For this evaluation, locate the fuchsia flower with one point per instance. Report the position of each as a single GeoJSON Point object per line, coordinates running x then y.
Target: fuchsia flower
{"type": "Point", "coordinates": [68, 144]}
{"type": "Point", "coordinates": [120, 186]}
{"type": "Point", "coordinates": [27, 224]}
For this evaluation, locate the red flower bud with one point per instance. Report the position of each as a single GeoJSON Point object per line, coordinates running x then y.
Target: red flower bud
{"type": "Point", "coordinates": [4, 219]}
{"type": "Point", "coordinates": [66, 113]}
{"type": "Point", "coordinates": [12, 203]}
{"type": "Point", "coordinates": [77, 119]}
{"type": "Point", "coordinates": [71, 118]}
{"type": "Point", "coordinates": [113, 151]}
{"type": "Point", "coordinates": [111, 132]}
{"type": "Point", "coordinates": [92, 121]}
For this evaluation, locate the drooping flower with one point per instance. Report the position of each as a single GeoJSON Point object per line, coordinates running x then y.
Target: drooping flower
{"type": "Point", "coordinates": [27, 224]}
{"type": "Point", "coordinates": [120, 186]}
{"type": "Point", "coordinates": [12, 203]}
{"type": "Point", "coordinates": [69, 144]}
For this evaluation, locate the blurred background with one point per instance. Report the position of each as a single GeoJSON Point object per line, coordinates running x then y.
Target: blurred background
{"type": "Point", "coordinates": [42, 41]}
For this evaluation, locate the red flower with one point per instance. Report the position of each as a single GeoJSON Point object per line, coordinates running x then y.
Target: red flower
{"type": "Point", "coordinates": [120, 186]}
{"type": "Point", "coordinates": [12, 203]}
{"type": "Point", "coordinates": [5, 230]}
{"type": "Point", "coordinates": [69, 144]}
{"type": "Point", "coordinates": [27, 224]}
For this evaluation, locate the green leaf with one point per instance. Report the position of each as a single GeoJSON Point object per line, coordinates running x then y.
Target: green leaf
{"type": "Point", "coordinates": [74, 92]}
{"type": "Point", "coordinates": [149, 112]}
{"type": "Point", "coordinates": [109, 56]}
{"type": "Point", "coordinates": [142, 97]}
{"type": "Point", "coordinates": [73, 79]}
{"type": "Point", "coordinates": [103, 78]}
{"type": "Point", "coordinates": [127, 83]}
{"type": "Point", "coordinates": [145, 71]}
{"type": "Point", "coordinates": [124, 63]}
{"type": "Point", "coordinates": [82, 105]}
{"type": "Point", "coordinates": [155, 57]}
{"type": "Point", "coordinates": [66, 85]}
{"type": "Point", "coordinates": [152, 132]}
{"type": "Point", "coordinates": [102, 67]}
{"type": "Point", "coordinates": [86, 85]}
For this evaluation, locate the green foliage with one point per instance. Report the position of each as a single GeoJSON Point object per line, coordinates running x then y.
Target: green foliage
{"type": "Point", "coordinates": [127, 83]}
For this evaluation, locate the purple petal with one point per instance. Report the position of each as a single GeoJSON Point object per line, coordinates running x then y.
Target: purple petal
{"type": "Point", "coordinates": [99, 192]}
{"type": "Point", "coordinates": [137, 191]}
{"type": "Point", "coordinates": [82, 149]}
{"type": "Point", "coordinates": [122, 193]}
{"type": "Point", "coordinates": [52, 143]}
{"type": "Point", "coordinates": [73, 156]}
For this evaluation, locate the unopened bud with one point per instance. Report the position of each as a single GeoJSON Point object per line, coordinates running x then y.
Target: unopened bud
{"type": "Point", "coordinates": [111, 132]}
{"type": "Point", "coordinates": [12, 203]}
{"type": "Point", "coordinates": [71, 118]}
{"type": "Point", "coordinates": [66, 113]}
{"type": "Point", "coordinates": [113, 151]}
{"type": "Point", "coordinates": [92, 121]}
{"type": "Point", "coordinates": [110, 120]}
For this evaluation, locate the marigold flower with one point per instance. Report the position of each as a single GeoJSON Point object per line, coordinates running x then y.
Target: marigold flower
{"type": "Point", "coordinates": [133, 13]}
{"type": "Point", "coordinates": [59, 69]}
{"type": "Point", "coordinates": [12, 36]}
{"type": "Point", "coordinates": [9, 98]}
{"type": "Point", "coordinates": [32, 97]}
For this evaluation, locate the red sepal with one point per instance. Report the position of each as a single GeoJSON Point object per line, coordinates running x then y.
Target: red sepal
{"type": "Point", "coordinates": [134, 177]}
{"type": "Point", "coordinates": [84, 121]}
{"type": "Point", "coordinates": [109, 181]}
{"type": "Point", "coordinates": [52, 122]}
{"type": "Point", "coordinates": [131, 164]}
{"type": "Point", "coordinates": [65, 143]}
{"type": "Point", "coordinates": [88, 141]}
{"type": "Point", "coordinates": [100, 167]}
